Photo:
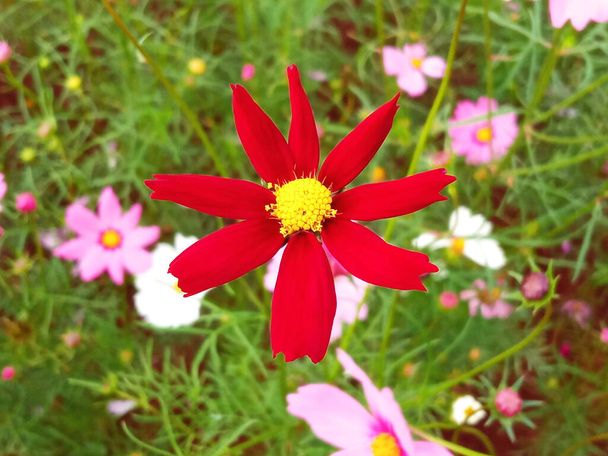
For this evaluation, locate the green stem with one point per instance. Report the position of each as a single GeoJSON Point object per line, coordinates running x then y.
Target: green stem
{"type": "Point", "coordinates": [440, 94]}
{"type": "Point", "coordinates": [564, 139]}
{"type": "Point", "coordinates": [576, 446]}
{"type": "Point", "coordinates": [444, 443]}
{"type": "Point", "coordinates": [18, 85]}
{"type": "Point", "coordinates": [571, 99]}
{"type": "Point", "coordinates": [386, 337]}
{"type": "Point", "coordinates": [491, 362]}
{"type": "Point", "coordinates": [468, 429]}
{"type": "Point", "coordinates": [559, 163]}
{"type": "Point", "coordinates": [172, 91]}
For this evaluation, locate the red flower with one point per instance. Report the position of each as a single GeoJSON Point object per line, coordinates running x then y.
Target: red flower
{"type": "Point", "coordinates": [301, 200]}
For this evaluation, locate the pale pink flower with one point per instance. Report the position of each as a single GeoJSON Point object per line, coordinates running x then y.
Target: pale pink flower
{"type": "Point", "coordinates": [448, 299]}
{"type": "Point", "coordinates": [109, 240]}
{"type": "Point", "coordinates": [411, 65]}
{"type": "Point", "coordinates": [577, 310]}
{"type": "Point", "coordinates": [338, 419]}
{"type": "Point", "coordinates": [120, 407]}
{"type": "Point", "coordinates": [3, 188]}
{"type": "Point", "coordinates": [26, 202]}
{"type": "Point", "coordinates": [480, 141]}
{"type": "Point", "coordinates": [604, 335]}
{"type": "Point", "coordinates": [508, 402]}
{"type": "Point", "coordinates": [350, 291]}
{"type": "Point", "coordinates": [566, 247]}
{"type": "Point", "coordinates": [8, 373]}
{"type": "Point", "coordinates": [440, 159]}
{"type": "Point", "coordinates": [579, 12]}
{"type": "Point", "coordinates": [247, 72]}
{"type": "Point", "coordinates": [5, 52]}
{"type": "Point", "coordinates": [490, 301]}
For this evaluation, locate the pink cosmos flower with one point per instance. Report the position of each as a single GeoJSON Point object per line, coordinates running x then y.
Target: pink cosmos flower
{"type": "Point", "coordinates": [247, 72]}
{"type": "Point", "coordinates": [8, 373]}
{"type": "Point", "coordinates": [579, 12]}
{"type": "Point", "coordinates": [3, 188]}
{"type": "Point", "coordinates": [411, 65]}
{"type": "Point", "coordinates": [350, 291]}
{"type": "Point", "coordinates": [26, 202]}
{"type": "Point", "coordinates": [492, 306]}
{"type": "Point", "coordinates": [508, 402]}
{"type": "Point", "coordinates": [338, 419]}
{"type": "Point", "coordinates": [474, 138]}
{"type": "Point", "coordinates": [604, 335]}
{"type": "Point", "coordinates": [109, 241]}
{"type": "Point", "coordinates": [577, 310]}
{"type": "Point", "coordinates": [5, 52]}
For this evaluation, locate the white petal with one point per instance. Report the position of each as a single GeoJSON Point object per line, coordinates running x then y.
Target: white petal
{"type": "Point", "coordinates": [485, 252]}
{"type": "Point", "coordinates": [464, 224]}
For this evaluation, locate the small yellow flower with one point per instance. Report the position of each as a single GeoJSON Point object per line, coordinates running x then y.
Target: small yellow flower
{"type": "Point", "coordinates": [474, 354]}
{"type": "Point", "coordinates": [197, 66]}
{"type": "Point", "coordinates": [126, 356]}
{"type": "Point", "coordinates": [378, 174]}
{"type": "Point", "coordinates": [73, 82]}
{"type": "Point", "coordinates": [28, 154]}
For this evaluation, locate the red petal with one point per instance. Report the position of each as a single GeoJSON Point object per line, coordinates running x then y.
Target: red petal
{"type": "Point", "coordinates": [218, 196]}
{"type": "Point", "coordinates": [303, 138]}
{"type": "Point", "coordinates": [304, 300]}
{"type": "Point", "coordinates": [394, 198]}
{"type": "Point", "coordinates": [226, 254]}
{"type": "Point", "coordinates": [355, 151]}
{"type": "Point", "coordinates": [262, 140]}
{"type": "Point", "coordinates": [365, 255]}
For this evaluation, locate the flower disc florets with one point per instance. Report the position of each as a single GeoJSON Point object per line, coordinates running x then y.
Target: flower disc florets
{"type": "Point", "coordinates": [302, 204]}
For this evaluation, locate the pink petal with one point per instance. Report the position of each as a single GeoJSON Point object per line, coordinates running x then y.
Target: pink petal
{"type": "Point", "coordinates": [430, 449]}
{"type": "Point", "coordinates": [130, 219]}
{"type": "Point", "coordinates": [108, 208]}
{"type": "Point", "coordinates": [82, 220]}
{"type": "Point", "coordinates": [394, 60]}
{"type": "Point", "coordinates": [365, 450]}
{"type": "Point", "coordinates": [372, 394]}
{"type": "Point", "coordinates": [136, 260]}
{"type": "Point", "coordinates": [74, 249]}
{"type": "Point", "coordinates": [334, 416]}
{"type": "Point", "coordinates": [433, 67]}
{"type": "Point", "coordinates": [414, 51]}
{"type": "Point", "coordinates": [115, 266]}
{"type": "Point", "coordinates": [93, 263]}
{"type": "Point", "coordinates": [412, 82]}
{"type": "Point", "coordinates": [141, 237]}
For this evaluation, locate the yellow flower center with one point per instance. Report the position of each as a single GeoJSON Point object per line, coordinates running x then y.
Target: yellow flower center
{"type": "Point", "coordinates": [302, 204]}
{"type": "Point", "coordinates": [484, 134]}
{"type": "Point", "coordinates": [385, 445]}
{"type": "Point", "coordinates": [177, 288]}
{"type": "Point", "coordinates": [469, 411]}
{"type": "Point", "coordinates": [110, 239]}
{"type": "Point", "coordinates": [458, 245]}
{"type": "Point", "coordinates": [417, 63]}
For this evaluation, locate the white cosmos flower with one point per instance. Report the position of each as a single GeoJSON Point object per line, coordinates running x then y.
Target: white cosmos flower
{"type": "Point", "coordinates": [158, 298]}
{"type": "Point", "coordinates": [467, 410]}
{"type": "Point", "coordinates": [468, 235]}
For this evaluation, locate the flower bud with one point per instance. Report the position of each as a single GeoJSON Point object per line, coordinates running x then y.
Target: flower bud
{"type": "Point", "coordinates": [73, 82]}
{"type": "Point", "coordinates": [5, 52]}
{"type": "Point", "coordinates": [72, 339]}
{"type": "Point", "coordinates": [474, 354]}
{"type": "Point", "coordinates": [28, 154]}
{"type": "Point", "coordinates": [378, 174]}
{"type": "Point", "coordinates": [534, 286]}
{"type": "Point", "coordinates": [508, 402]}
{"type": "Point", "coordinates": [247, 72]}
{"type": "Point", "coordinates": [448, 300]}
{"type": "Point", "coordinates": [604, 335]}
{"type": "Point", "coordinates": [8, 373]}
{"type": "Point", "coordinates": [197, 66]}
{"type": "Point", "coordinates": [26, 202]}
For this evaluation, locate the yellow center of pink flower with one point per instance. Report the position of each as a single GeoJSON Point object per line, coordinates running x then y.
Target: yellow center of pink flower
{"type": "Point", "coordinates": [302, 204]}
{"type": "Point", "coordinates": [484, 134]}
{"type": "Point", "coordinates": [458, 246]}
{"type": "Point", "coordinates": [417, 63]}
{"type": "Point", "coordinates": [385, 445]}
{"type": "Point", "coordinates": [110, 239]}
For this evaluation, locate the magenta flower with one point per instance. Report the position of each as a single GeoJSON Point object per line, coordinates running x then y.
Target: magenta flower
{"type": "Point", "coordinates": [109, 241]}
{"type": "Point", "coordinates": [508, 402]}
{"type": "Point", "coordinates": [5, 52]}
{"type": "Point", "coordinates": [26, 202]}
{"type": "Point", "coordinates": [3, 188]}
{"type": "Point", "coordinates": [338, 419]}
{"type": "Point", "coordinates": [448, 300]}
{"type": "Point", "coordinates": [8, 373]}
{"type": "Point", "coordinates": [579, 12]}
{"type": "Point", "coordinates": [478, 140]}
{"type": "Point", "coordinates": [578, 311]}
{"type": "Point", "coordinates": [490, 301]}
{"type": "Point", "coordinates": [248, 71]}
{"type": "Point", "coordinates": [604, 335]}
{"type": "Point", "coordinates": [411, 65]}
{"type": "Point", "coordinates": [350, 291]}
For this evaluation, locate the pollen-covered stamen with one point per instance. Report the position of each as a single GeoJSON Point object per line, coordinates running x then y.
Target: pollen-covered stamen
{"type": "Point", "coordinates": [484, 134]}
{"type": "Point", "coordinates": [302, 204]}
{"type": "Point", "coordinates": [416, 63]}
{"type": "Point", "coordinates": [111, 239]}
{"type": "Point", "coordinates": [385, 445]}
